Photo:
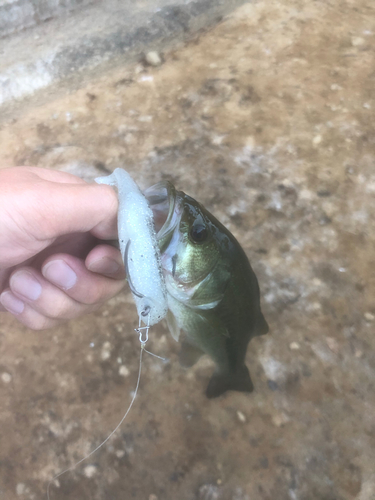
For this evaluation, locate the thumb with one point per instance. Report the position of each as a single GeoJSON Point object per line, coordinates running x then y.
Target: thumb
{"type": "Point", "coordinates": [39, 205]}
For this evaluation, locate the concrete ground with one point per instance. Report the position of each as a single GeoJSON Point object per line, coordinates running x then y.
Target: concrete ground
{"type": "Point", "coordinates": [268, 120]}
{"type": "Point", "coordinates": [70, 49]}
{"type": "Point", "coordinates": [18, 15]}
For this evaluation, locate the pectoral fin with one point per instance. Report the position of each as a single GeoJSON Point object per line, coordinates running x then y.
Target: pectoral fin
{"type": "Point", "coordinates": [210, 291]}
{"type": "Point", "coordinates": [173, 325]}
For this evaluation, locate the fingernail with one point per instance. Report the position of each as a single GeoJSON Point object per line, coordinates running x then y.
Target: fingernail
{"type": "Point", "coordinates": [25, 284]}
{"type": "Point", "coordinates": [60, 274]}
{"type": "Point", "coordinates": [11, 303]}
{"type": "Point", "coordinates": [105, 265]}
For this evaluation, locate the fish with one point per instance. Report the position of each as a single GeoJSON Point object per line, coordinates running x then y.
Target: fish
{"type": "Point", "coordinates": [213, 296]}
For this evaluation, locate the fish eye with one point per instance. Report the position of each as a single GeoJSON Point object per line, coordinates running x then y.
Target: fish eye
{"type": "Point", "coordinates": [199, 233]}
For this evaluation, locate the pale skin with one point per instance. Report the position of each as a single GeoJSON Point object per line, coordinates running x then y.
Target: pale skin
{"type": "Point", "coordinates": [55, 260]}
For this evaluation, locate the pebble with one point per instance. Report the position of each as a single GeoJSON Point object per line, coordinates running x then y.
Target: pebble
{"type": "Point", "coordinates": [357, 41]}
{"type": "Point", "coordinates": [241, 417]}
{"type": "Point", "coordinates": [153, 58]}
{"type": "Point", "coordinates": [145, 119]}
{"type": "Point", "coordinates": [106, 351]}
{"type": "Point", "coordinates": [90, 471]}
{"type": "Point", "coordinates": [217, 140]}
{"type": "Point", "coordinates": [294, 346]}
{"type": "Point", "coordinates": [152, 497]}
{"type": "Point", "coordinates": [314, 307]}
{"type": "Point", "coordinates": [317, 140]}
{"type": "Point", "coordinates": [317, 282]}
{"type": "Point", "coordinates": [250, 142]}
{"type": "Point", "coordinates": [307, 195]}
{"type": "Point", "coordinates": [280, 419]}
{"type": "Point", "coordinates": [369, 316]}
{"type": "Point", "coordinates": [333, 344]}
{"type": "Point", "coordinates": [146, 78]}
{"type": "Point", "coordinates": [287, 183]}
{"type": "Point", "coordinates": [124, 371]}
{"type": "Point", "coordinates": [105, 355]}
{"type": "Point", "coordinates": [6, 377]}
{"type": "Point", "coordinates": [20, 489]}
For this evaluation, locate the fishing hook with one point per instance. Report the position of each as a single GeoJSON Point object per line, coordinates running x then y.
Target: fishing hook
{"type": "Point", "coordinates": [131, 286]}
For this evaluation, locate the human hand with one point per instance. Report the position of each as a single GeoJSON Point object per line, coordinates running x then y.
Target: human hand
{"type": "Point", "coordinates": [53, 264]}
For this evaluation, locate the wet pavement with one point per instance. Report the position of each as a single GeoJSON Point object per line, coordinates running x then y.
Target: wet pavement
{"type": "Point", "coordinates": [268, 120]}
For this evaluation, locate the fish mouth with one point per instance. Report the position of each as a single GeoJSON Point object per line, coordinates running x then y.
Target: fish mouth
{"type": "Point", "coordinates": [162, 199]}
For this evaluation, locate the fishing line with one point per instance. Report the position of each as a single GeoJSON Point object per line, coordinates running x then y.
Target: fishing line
{"type": "Point", "coordinates": [155, 355]}
{"type": "Point", "coordinates": [110, 435]}
{"type": "Point", "coordinates": [143, 341]}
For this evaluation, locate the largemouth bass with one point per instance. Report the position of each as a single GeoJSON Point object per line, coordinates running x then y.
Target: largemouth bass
{"type": "Point", "coordinates": [212, 292]}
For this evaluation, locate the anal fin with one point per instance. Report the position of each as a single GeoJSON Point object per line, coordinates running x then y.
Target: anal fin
{"type": "Point", "coordinates": [262, 326]}
{"type": "Point", "coordinates": [189, 355]}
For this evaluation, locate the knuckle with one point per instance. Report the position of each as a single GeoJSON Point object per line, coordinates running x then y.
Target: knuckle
{"type": "Point", "coordinates": [60, 309]}
{"type": "Point", "coordinates": [92, 296]}
{"type": "Point", "coordinates": [38, 322]}
{"type": "Point", "coordinates": [55, 307]}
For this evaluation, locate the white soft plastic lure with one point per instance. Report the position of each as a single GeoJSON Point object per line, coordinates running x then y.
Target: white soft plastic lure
{"type": "Point", "coordinates": [139, 248]}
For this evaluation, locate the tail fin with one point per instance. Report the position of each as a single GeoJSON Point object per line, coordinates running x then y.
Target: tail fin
{"type": "Point", "coordinates": [225, 381]}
